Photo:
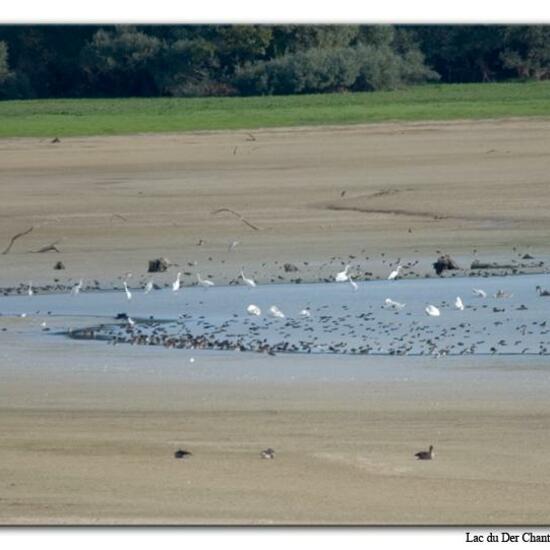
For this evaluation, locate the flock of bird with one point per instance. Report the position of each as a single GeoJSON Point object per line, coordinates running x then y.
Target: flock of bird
{"type": "Point", "coordinates": [315, 330]}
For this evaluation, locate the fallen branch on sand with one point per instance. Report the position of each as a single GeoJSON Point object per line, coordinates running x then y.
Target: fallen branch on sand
{"type": "Point", "coordinates": [238, 216]}
{"type": "Point", "coordinates": [48, 248]}
{"type": "Point", "coordinates": [15, 237]}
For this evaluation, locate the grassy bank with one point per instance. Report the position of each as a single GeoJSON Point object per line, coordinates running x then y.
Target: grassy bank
{"type": "Point", "coordinates": [85, 117]}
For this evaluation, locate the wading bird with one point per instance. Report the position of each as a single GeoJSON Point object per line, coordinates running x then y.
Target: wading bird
{"type": "Point", "coordinates": [432, 311]}
{"type": "Point", "coordinates": [76, 288]}
{"type": "Point", "coordinates": [343, 276]}
{"type": "Point", "coordinates": [395, 273]}
{"type": "Point", "coordinates": [30, 291]}
{"type": "Point", "coordinates": [177, 283]}
{"type": "Point", "coordinates": [392, 303]}
{"type": "Point", "coordinates": [249, 282]}
{"type": "Point", "coordinates": [276, 312]}
{"type": "Point", "coordinates": [253, 310]}
{"type": "Point", "coordinates": [204, 282]}
{"type": "Point", "coordinates": [148, 287]}
{"type": "Point", "coordinates": [128, 293]}
{"type": "Point", "coordinates": [459, 304]}
{"type": "Point", "coordinates": [479, 293]}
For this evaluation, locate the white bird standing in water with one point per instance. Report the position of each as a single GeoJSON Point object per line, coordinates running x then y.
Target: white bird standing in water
{"type": "Point", "coordinates": [77, 288]}
{"type": "Point", "coordinates": [249, 282]}
{"type": "Point", "coordinates": [392, 303]}
{"type": "Point", "coordinates": [480, 293]}
{"type": "Point", "coordinates": [148, 287]}
{"type": "Point", "coordinates": [253, 310]}
{"type": "Point", "coordinates": [232, 246]}
{"type": "Point", "coordinates": [128, 293]}
{"type": "Point", "coordinates": [204, 282]}
{"type": "Point", "coordinates": [459, 304]}
{"type": "Point", "coordinates": [177, 283]}
{"type": "Point", "coordinates": [305, 313]}
{"type": "Point", "coordinates": [395, 273]}
{"type": "Point", "coordinates": [353, 283]}
{"type": "Point", "coordinates": [276, 312]}
{"type": "Point", "coordinates": [30, 291]}
{"type": "Point", "coordinates": [343, 276]}
{"type": "Point", "coordinates": [432, 311]}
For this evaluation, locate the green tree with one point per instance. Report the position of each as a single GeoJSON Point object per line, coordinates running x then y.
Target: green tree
{"type": "Point", "coordinates": [122, 62]}
{"type": "Point", "coordinates": [527, 51]}
{"type": "Point", "coordinates": [4, 70]}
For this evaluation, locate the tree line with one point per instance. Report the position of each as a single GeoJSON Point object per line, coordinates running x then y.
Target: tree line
{"type": "Point", "coordinates": [48, 61]}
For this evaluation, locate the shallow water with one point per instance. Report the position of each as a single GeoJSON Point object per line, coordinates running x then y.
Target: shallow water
{"type": "Point", "coordinates": [343, 320]}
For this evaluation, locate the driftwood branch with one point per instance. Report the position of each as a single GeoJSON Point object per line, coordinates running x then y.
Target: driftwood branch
{"type": "Point", "coordinates": [238, 216]}
{"type": "Point", "coordinates": [49, 247]}
{"type": "Point", "coordinates": [119, 217]}
{"type": "Point", "coordinates": [15, 237]}
{"type": "Point", "coordinates": [250, 137]}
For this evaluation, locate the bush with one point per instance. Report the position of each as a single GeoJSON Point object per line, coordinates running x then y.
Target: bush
{"type": "Point", "coordinates": [363, 67]}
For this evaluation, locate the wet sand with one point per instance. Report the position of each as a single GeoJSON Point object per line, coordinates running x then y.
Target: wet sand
{"type": "Point", "coordinates": [89, 438]}
{"type": "Point", "coordinates": [115, 203]}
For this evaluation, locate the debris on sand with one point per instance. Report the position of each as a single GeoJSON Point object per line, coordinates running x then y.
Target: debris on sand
{"type": "Point", "coordinates": [290, 268]}
{"type": "Point", "coordinates": [59, 265]}
{"type": "Point", "coordinates": [159, 265]}
{"type": "Point", "coordinates": [444, 263]}
{"type": "Point", "coordinates": [15, 237]}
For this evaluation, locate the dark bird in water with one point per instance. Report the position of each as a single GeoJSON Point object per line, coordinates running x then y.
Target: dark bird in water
{"type": "Point", "coordinates": [268, 453]}
{"type": "Point", "coordinates": [425, 455]}
{"type": "Point", "coordinates": [180, 453]}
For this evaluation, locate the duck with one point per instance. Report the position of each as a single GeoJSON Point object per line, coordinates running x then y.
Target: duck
{"type": "Point", "coordinates": [181, 453]}
{"type": "Point", "coordinates": [426, 455]}
{"type": "Point", "coordinates": [268, 454]}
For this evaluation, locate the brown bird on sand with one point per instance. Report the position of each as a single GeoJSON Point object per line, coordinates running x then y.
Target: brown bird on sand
{"type": "Point", "coordinates": [425, 455]}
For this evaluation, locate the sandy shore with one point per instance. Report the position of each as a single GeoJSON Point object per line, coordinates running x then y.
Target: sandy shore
{"type": "Point", "coordinates": [408, 191]}
{"type": "Point", "coordinates": [89, 438]}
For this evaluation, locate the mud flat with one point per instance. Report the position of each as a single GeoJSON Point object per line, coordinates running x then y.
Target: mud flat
{"type": "Point", "coordinates": [378, 192]}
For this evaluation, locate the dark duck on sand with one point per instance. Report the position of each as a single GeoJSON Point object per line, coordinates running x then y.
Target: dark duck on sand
{"type": "Point", "coordinates": [425, 455]}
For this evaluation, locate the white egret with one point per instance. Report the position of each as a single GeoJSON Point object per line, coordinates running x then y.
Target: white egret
{"type": "Point", "coordinates": [479, 293]}
{"type": "Point", "coordinates": [76, 288]}
{"type": "Point", "coordinates": [204, 282]}
{"type": "Point", "coordinates": [30, 291]}
{"type": "Point", "coordinates": [253, 310]}
{"type": "Point", "coordinates": [131, 322]}
{"type": "Point", "coordinates": [232, 246]}
{"type": "Point", "coordinates": [393, 303]}
{"type": "Point", "coordinates": [432, 311]}
{"type": "Point", "coordinates": [249, 282]}
{"type": "Point", "coordinates": [128, 293]}
{"type": "Point", "coordinates": [177, 283]}
{"type": "Point", "coordinates": [459, 304]}
{"type": "Point", "coordinates": [276, 312]}
{"type": "Point", "coordinates": [305, 313]}
{"type": "Point", "coordinates": [353, 283]}
{"type": "Point", "coordinates": [395, 273]}
{"type": "Point", "coordinates": [343, 276]}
